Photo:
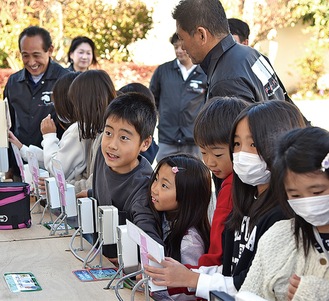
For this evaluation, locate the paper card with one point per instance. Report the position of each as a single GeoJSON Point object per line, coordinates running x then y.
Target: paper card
{"type": "Point", "coordinates": [60, 180]}
{"type": "Point", "coordinates": [33, 163]}
{"type": "Point", "coordinates": [83, 275]}
{"type": "Point", "coordinates": [19, 161]}
{"type": "Point", "coordinates": [8, 119]}
{"type": "Point", "coordinates": [103, 274]}
{"type": "Point", "coordinates": [22, 282]}
{"type": "Point", "coordinates": [3, 124]}
{"type": "Point", "coordinates": [96, 274]}
{"type": "Point", "coordinates": [49, 225]}
{"type": "Point", "coordinates": [147, 246]}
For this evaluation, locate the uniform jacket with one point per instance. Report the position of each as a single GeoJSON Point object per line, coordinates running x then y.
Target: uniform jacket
{"type": "Point", "coordinates": [178, 101]}
{"type": "Point", "coordinates": [236, 70]}
{"type": "Point", "coordinates": [29, 106]}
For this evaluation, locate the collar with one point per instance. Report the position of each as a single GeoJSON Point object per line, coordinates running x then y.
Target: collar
{"type": "Point", "coordinates": [25, 74]}
{"type": "Point", "coordinates": [185, 73]}
{"type": "Point", "coordinates": [180, 65]}
{"type": "Point", "coordinates": [209, 63]}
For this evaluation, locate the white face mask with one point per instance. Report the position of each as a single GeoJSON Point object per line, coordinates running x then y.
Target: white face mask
{"type": "Point", "coordinates": [251, 169]}
{"type": "Point", "coordinates": [314, 209]}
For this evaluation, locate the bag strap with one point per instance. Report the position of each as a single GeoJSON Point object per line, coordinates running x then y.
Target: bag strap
{"type": "Point", "coordinates": [19, 226]}
{"type": "Point", "coordinates": [12, 199]}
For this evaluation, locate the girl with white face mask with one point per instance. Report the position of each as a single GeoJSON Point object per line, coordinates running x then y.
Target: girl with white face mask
{"type": "Point", "coordinates": [292, 260]}
{"type": "Point", "coordinates": [253, 140]}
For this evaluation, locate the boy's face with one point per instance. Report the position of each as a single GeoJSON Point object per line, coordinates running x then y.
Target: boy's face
{"type": "Point", "coordinates": [121, 145]}
{"type": "Point", "coordinates": [218, 160]}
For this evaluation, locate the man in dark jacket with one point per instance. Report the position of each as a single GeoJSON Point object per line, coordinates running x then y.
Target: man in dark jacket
{"type": "Point", "coordinates": [232, 69]}
{"type": "Point", "coordinates": [179, 91]}
{"type": "Point", "coordinates": [29, 90]}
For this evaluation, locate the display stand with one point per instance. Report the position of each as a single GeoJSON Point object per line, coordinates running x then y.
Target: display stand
{"type": "Point", "coordinates": [61, 185]}
{"type": "Point", "coordinates": [119, 284]}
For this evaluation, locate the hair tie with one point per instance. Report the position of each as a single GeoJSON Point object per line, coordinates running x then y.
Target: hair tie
{"type": "Point", "coordinates": [175, 169]}
{"type": "Point", "coordinates": [325, 163]}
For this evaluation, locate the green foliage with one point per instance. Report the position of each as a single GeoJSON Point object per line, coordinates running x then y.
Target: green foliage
{"type": "Point", "coordinates": [311, 68]}
{"type": "Point", "coordinates": [112, 28]}
{"type": "Point", "coordinates": [3, 59]}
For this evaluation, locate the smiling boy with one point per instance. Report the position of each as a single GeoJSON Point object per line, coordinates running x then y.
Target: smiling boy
{"type": "Point", "coordinates": [121, 175]}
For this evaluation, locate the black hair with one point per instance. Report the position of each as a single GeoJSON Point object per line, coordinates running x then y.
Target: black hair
{"type": "Point", "coordinates": [79, 40]}
{"type": "Point", "coordinates": [209, 14]}
{"type": "Point", "coordinates": [214, 122]}
{"type": "Point", "coordinates": [91, 92]}
{"type": "Point", "coordinates": [193, 193]}
{"type": "Point", "coordinates": [174, 38]}
{"type": "Point", "coordinates": [239, 28]}
{"type": "Point", "coordinates": [138, 87]}
{"type": "Point", "coordinates": [300, 151]}
{"type": "Point", "coordinates": [32, 31]}
{"type": "Point", "coordinates": [267, 122]}
{"type": "Point", "coordinates": [137, 109]}
{"type": "Point", "coordinates": [63, 105]}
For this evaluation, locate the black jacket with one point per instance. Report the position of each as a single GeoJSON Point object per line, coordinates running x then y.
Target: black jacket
{"type": "Point", "coordinates": [28, 105]}
{"type": "Point", "coordinates": [178, 102]}
{"type": "Point", "coordinates": [236, 70]}
{"type": "Point", "coordinates": [231, 247]}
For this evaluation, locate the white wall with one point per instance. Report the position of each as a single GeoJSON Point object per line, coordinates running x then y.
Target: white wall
{"type": "Point", "coordinates": [288, 46]}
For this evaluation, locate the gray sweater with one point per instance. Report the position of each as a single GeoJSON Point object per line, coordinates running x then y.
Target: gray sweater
{"type": "Point", "coordinates": [127, 192]}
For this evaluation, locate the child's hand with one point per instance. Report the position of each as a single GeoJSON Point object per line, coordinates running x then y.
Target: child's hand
{"type": "Point", "coordinates": [172, 274]}
{"type": "Point", "coordinates": [82, 194]}
{"type": "Point", "coordinates": [42, 186]}
{"type": "Point", "coordinates": [47, 125]}
{"type": "Point", "coordinates": [114, 261]}
{"type": "Point", "coordinates": [13, 139]}
{"type": "Point", "coordinates": [293, 286]}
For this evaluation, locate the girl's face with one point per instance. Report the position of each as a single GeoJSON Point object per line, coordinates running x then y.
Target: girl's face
{"type": "Point", "coordinates": [306, 185]}
{"type": "Point", "coordinates": [163, 189]}
{"type": "Point", "coordinates": [243, 140]}
{"type": "Point", "coordinates": [308, 195]}
{"type": "Point", "coordinates": [82, 57]}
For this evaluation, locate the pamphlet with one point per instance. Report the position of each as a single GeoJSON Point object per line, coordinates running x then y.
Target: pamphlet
{"type": "Point", "coordinates": [147, 246]}
{"type": "Point", "coordinates": [22, 282]}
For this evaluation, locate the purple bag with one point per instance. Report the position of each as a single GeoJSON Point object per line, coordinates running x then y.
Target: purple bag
{"type": "Point", "coordinates": [14, 205]}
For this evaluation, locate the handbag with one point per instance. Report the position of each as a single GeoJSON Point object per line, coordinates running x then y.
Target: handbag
{"type": "Point", "coordinates": [14, 205]}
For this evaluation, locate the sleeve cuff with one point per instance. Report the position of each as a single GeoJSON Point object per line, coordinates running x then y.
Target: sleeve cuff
{"type": "Point", "coordinates": [23, 152]}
